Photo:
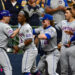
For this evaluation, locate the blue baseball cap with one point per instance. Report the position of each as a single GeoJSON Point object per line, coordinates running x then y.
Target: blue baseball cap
{"type": "Point", "coordinates": [48, 17]}
{"type": "Point", "coordinates": [5, 13]}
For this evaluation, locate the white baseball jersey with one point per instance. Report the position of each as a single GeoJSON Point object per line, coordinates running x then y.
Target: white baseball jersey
{"type": "Point", "coordinates": [5, 32]}
{"type": "Point", "coordinates": [26, 33]}
{"type": "Point", "coordinates": [64, 25]}
{"type": "Point", "coordinates": [31, 52]}
{"type": "Point", "coordinates": [48, 45]}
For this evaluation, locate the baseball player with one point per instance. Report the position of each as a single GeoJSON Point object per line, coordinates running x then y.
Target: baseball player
{"type": "Point", "coordinates": [65, 25]}
{"type": "Point", "coordinates": [26, 42]}
{"type": "Point", "coordinates": [70, 53]}
{"type": "Point", "coordinates": [48, 38]}
{"type": "Point", "coordinates": [6, 32]}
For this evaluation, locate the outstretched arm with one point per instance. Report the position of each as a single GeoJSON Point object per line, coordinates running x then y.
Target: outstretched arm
{"type": "Point", "coordinates": [15, 33]}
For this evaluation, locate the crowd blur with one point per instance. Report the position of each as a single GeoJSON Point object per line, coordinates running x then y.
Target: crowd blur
{"type": "Point", "coordinates": [36, 8]}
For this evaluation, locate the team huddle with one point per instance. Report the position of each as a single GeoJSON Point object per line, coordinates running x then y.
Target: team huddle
{"type": "Point", "coordinates": [46, 35]}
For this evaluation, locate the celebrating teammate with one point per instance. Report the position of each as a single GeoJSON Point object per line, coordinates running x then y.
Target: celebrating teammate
{"type": "Point", "coordinates": [6, 32]}
{"type": "Point", "coordinates": [65, 26]}
{"type": "Point", "coordinates": [26, 42]}
{"type": "Point", "coordinates": [48, 38]}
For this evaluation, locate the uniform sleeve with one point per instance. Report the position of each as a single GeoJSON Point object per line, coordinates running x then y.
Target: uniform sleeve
{"type": "Point", "coordinates": [73, 38]}
{"type": "Point", "coordinates": [59, 26]}
{"type": "Point", "coordinates": [8, 31]}
{"type": "Point", "coordinates": [50, 33]}
{"type": "Point", "coordinates": [36, 31]}
{"type": "Point", "coordinates": [28, 33]}
{"type": "Point", "coordinates": [66, 3]}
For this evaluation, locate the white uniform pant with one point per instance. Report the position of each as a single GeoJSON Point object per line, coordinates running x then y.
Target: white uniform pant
{"type": "Point", "coordinates": [50, 62]}
{"type": "Point", "coordinates": [29, 58]}
{"type": "Point", "coordinates": [5, 63]}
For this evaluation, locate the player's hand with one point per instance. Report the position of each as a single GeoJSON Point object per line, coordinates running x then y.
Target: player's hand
{"type": "Point", "coordinates": [69, 32]}
{"type": "Point", "coordinates": [36, 41]}
{"type": "Point", "coordinates": [61, 8]}
{"type": "Point", "coordinates": [16, 49]}
{"type": "Point", "coordinates": [69, 43]}
{"type": "Point", "coordinates": [39, 36]}
{"type": "Point", "coordinates": [47, 9]}
{"type": "Point", "coordinates": [59, 46]}
{"type": "Point", "coordinates": [42, 36]}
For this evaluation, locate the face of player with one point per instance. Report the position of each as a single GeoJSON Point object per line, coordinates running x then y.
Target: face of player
{"type": "Point", "coordinates": [45, 23]}
{"type": "Point", "coordinates": [21, 18]}
{"type": "Point", "coordinates": [68, 15]}
{"type": "Point", "coordinates": [6, 19]}
{"type": "Point", "coordinates": [32, 1]}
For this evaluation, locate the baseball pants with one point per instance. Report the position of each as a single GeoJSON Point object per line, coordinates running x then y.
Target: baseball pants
{"type": "Point", "coordinates": [28, 60]}
{"type": "Point", "coordinates": [49, 62]}
{"type": "Point", "coordinates": [68, 59]}
{"type": "Point", "coordinates": [5, 63]}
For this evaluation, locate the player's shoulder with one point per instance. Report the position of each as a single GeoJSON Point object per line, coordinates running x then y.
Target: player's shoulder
{"type": "Point", "coordinates": [52, 29]}
{"type": "Point", "coordinates": [73, 22]}
{"type": "Point", "coordinates": [27, 26]}
{"type": "Point", "coordinates": [4, 25]}
{"type": "Point", "coordinates": [64, 21]}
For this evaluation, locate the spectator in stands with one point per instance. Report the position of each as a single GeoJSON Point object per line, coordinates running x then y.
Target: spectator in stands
{"type": "Point", "coordinates": [41, 3]}
{"type": "Point", "coordinates": [57, 8]}
{"type": "Point", "coordinates": [14, 7]}
{"type": "Point", "coordinates": [20, 1]}
{"type": "Point", "coordinates": [23, 3]}
{"type": "Point", "coordinates": [34, 12]}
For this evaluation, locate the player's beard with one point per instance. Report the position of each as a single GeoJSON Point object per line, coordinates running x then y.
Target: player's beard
{"type": "Point", "coordinates": [44, 26]}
